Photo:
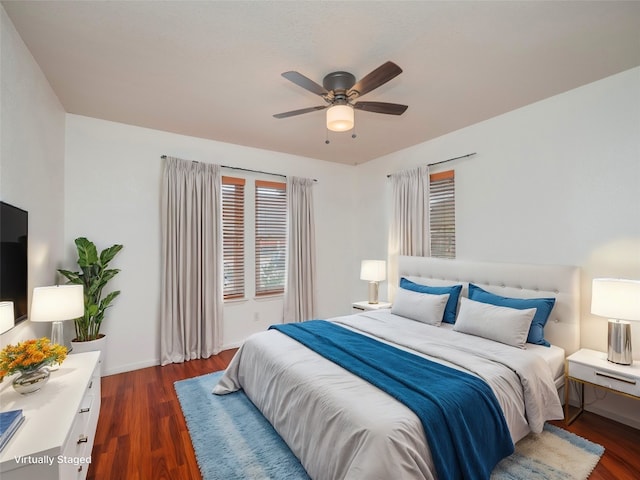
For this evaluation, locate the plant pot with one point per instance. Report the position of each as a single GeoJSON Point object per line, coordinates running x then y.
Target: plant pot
{"type": "Point", "coordinates": [31, 381]}
{"type": "Point", "coordinates": [98, 345]}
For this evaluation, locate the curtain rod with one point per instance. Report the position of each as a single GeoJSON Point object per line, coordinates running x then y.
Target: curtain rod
{"type": "Point", "coordinates": [246, 169]}
{"type": "Point", "coordinates": [447, 160]}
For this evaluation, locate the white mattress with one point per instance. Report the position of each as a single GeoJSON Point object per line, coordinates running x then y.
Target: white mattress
{"type": "Point", "coordinates": [554, 357]}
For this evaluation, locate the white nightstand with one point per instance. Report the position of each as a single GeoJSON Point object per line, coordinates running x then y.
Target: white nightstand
{"type": "Point", "coordinates": [592, 368]}
{"type": "Point", "coordinates": [365, 305]}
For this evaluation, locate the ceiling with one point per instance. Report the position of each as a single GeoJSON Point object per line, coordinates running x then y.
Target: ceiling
{"type": "Point", "coordinates": [212, 69]}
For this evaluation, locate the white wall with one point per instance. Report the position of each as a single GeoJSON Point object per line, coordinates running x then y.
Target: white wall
{"type": "Point", "coordinates": [113, 174]}
{"type": "Point", "coordinates": [556, 182]}
{"type": "Point", "coordinates": [31, 162]}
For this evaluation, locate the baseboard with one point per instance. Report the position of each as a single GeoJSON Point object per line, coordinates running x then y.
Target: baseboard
{"type": "Point", "coordinates": [130, 367]}
{"type": "Point", "coordinates": [231, 345]}
{"type": "Point", "coordinates": [149, 363]}
{"type": "Point", "coordinates": [609, 405]}
{"type": "Point", "coordinates": [604, 412]}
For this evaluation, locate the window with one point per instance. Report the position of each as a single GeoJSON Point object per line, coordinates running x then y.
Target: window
{"type": "Point", "coordinates": [442, 214]}
{"type": "Point", "coordinates": [258, 215]}
{"type": "Point", "coordinates": [271, 237]}
{"type": "Point", "coordinates": [233, 236]}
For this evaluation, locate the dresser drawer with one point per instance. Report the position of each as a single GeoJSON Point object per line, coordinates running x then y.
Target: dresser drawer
{"type": "Point", "coordinates": [74, 468]}
{"type": "Point", "coordinates": [94, 385]}
{"type": "Point", "coordinates": [77, 449]}
{"type": "Point", "coordinates": [605, 378]}
{"type": "Point", "coordinates": [75, 456]}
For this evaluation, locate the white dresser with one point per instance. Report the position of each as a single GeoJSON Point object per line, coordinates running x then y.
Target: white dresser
{"type": "Point", "coordinates": [56, 437]}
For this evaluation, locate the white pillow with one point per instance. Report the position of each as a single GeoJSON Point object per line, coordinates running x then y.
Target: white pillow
{"type": "Point", "coordinates": [423, 307]}
{"type": "Point", "coordinates": [502, 324]}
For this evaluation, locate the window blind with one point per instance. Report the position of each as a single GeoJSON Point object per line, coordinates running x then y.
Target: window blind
{"type": "Point", "coordinates": [233, 236]}
{"type": "Point", "coordinates": [442, 214]}
{"type": "Point", "coordinates": [271, 237]}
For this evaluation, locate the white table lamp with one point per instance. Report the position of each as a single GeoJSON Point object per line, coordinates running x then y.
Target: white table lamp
{"type": "Point", "coordinates": [55, 304]}
{"type": "Point", "coordinates": [374, 271]}
{"type": "Point", "coordinates": [618, 300]}
{"type": "Point", "coordinates": [7, 317]}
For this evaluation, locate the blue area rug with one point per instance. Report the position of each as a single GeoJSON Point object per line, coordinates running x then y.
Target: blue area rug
{"type": "Point", "coordinates": [231, 438]}
{"type": "Point", "coordinates": [233, 441]}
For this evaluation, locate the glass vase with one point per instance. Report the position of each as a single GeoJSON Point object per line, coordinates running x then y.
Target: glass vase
{"type": "Point", "coordinates": [31, 380]}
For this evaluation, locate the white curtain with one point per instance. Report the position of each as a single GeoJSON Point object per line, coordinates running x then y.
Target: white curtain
{"type": "Point", "coordinates": [191, 295]}
{"type": "Point", "coordinates": [300, 283]}
{"type": "Point", "coordinates": [409, 230]}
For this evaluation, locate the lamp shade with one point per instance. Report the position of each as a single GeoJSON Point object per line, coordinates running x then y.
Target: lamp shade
{"type": "Point", "coordinates": [373, 270]}
{"type": "Point", "coordinates": [340, 118]}
{"type": "Point", "coordinates": [56, 303]}
{"type": "Point", "coordinates": [616, 298]}
{"type": "Point", "coordinates": [7, 317]}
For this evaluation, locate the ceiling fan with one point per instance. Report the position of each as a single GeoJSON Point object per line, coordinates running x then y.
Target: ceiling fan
{"type": "Point", "coordinates": [340, 92]}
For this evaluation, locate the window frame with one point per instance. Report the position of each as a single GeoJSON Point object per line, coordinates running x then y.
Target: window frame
{"type": "Point", "coordinates": [276, 207]}
{"type": "Point", "coordinates": [233, 236]}
{"type": "Point", "coordinates": [442, 214]}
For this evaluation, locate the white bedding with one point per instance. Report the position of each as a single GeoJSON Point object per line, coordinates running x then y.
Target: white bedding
{"type": "Point", "coordinates": [341, 427]}
{"type": "Point", "coordinates": [554, 357]}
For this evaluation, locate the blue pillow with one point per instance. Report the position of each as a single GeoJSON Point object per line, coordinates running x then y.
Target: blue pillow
{"type": "Point", "coordinates": [453, 291]}
{"type": "Point", "coordinates": [543, 308]}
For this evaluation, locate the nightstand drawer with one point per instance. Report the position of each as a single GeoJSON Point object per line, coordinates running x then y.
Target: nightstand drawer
{"type": "Point", "coordinates": [605, 378]}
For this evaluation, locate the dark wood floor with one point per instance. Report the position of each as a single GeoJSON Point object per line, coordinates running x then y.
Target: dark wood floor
{"type": "Point", "coordinates": [142, 434]}
{"type": "Point", "coordinates": [141, 431]}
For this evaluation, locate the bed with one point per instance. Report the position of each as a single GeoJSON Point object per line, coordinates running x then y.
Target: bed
{"type": "Point", "coordinates": [342, 427]}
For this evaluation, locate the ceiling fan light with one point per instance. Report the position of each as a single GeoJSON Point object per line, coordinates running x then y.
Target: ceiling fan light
{"type": "Point", "coordinates": [340, 118]}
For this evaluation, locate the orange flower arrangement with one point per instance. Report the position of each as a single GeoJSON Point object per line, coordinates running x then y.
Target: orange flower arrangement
{"type": "Point", "coordinates": [30, 355]}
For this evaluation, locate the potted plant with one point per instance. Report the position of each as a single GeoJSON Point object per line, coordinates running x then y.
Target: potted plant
{"type": "Point", "coordinates": [93, 276]}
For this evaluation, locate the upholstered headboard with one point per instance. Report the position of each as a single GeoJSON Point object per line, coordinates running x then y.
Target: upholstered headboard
{"type": "Point", "coordinates": [511, 280]}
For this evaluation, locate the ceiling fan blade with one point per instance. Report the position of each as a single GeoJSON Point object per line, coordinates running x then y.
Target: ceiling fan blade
{"type": "Point", "coordinates": [378, 77]}
{"type": "Point", "coordinates": [305, 82]}
{"type": "Point", "coordinates": [300, 112]}
{"type": "Point", "coordinates": [381, 107]}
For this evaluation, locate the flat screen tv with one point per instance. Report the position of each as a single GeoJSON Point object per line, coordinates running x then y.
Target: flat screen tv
{"type": "Point", "coordinates": [14, 223]}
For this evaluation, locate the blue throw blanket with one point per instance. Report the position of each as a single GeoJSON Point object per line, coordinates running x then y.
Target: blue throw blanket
{"type": "Point", "coordinates": [462, 420]}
